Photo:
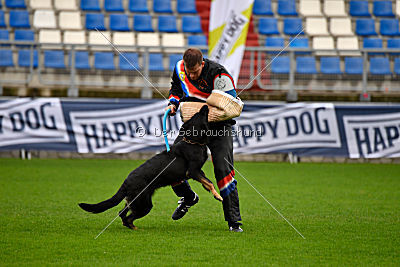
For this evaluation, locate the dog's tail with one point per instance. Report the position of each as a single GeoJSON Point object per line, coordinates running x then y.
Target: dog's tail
{"type": "Point", "coordinates": [106, 204]}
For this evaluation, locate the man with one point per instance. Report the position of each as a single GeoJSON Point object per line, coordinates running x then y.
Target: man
{"type": "Point", "coordinates": [193, 79]}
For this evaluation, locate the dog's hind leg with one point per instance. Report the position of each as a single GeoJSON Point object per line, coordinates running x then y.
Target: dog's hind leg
{"type": "Point", "coordinates": [123, 216]}
{"type": "Point", "coordinates": [140, 208]}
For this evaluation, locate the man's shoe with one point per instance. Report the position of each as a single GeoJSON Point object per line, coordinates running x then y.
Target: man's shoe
{"type": "Point", "coordinates": [235, 227]}
{"type": "Point", "coordinates": [183, 207]}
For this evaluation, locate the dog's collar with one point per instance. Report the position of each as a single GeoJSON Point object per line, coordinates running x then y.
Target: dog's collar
{"type": "Point", "coordinates": [192, 142]}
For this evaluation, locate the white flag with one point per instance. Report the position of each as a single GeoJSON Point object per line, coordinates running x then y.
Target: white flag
{"type": "Point", "coordinates": [229, 22]}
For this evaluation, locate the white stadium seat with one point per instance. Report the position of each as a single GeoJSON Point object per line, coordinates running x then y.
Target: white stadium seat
{"type": "Point", "coordinates": [173, 39]}
{"type": "Point", "coordinates": [74, 37]}
{"type": "Point", "coordinates": [348, 43]}
{"type": "Point", "coordinates": [124, 39]}
{"type": "Point", "coordinates": [40, 4]}
{"type": "Point", "coordinates": [310, 8]}
{"type": "Point", "coordinates": [97, 38]}
{"type": "Point", "coordinates": [316, 26]}
{"type": "Point", "coordinates": [334, 8]}
{"type": "Point", "coordinates": [148, 39]}
{"type": "Point", "coordinates": [50, 36]}
{"type": "Point", "coordinates": [341, 27]}
{"type": "Point", "coordinates": [398, 8]}
{"type": "Point", "coordinates": [70, 20]}
{"type": "Point", "coordinates": [65, 5]}
{"type": "Point", "coordinates": [324, 43]}
{"type": "Point", "coordinates": [44, 19]}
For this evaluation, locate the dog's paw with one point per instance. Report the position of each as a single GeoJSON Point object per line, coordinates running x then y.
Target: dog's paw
{"type": "Point", "coordinates": [219, 198]}
{"type": "Point", "coordinates": [129, 225]}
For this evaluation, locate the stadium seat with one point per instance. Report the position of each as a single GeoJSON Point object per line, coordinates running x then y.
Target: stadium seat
{"type": "Point", "coordinates": [70, 20]}
{"type": "Point", "coordinates": [389, 27]}
{"type": "Point", "coordinates": [97, 38]}
{"type": "Point", "coordinates": [19, 19]}
{"type": "Point", "coordinates": [4, 35]}
{"type": "Point", "coordinates": [341, 27]}
{"type": "Point", "coordinates": [81, 60]}
{"type": "Point", "coordinates": [124, 39]}
{"type": "Point", "coordinates": [334, 8]}
{"type": "Point", "coordinates": [129, 61]}
{"type": "Point", "coordinates": [65, 5]}
{"type": "Point", "coordinates": [350, 44]}
{"type": "Point", "coordinates": [173, 58]}
{"type": "Point", "coordinates": [373, 43]}
{"type": "Point", "coordinates": [15, 4]}
{"type": "Point", "coordinates": [90, 5]}
{"type": "Point", "coordinates": [359, 8]}
{"type": "Point", "coordinates": [104, 61]}
{"type": "Point", "coordinates": [353, 65]}
{"type": "Point", "coordinates": [119, 22]}
{"type": "Point", "coordinates": [74, 37]}
{"type": "Point", "coordinates": [262, 8]}
{"type": "Point", "coordinates": [148, 39]}
{"type": "Point", "coordinates": [398, 8]}
{"type": "Point", "coordinates": [24, 35]}
{"type": "Point", "coordinates": [186, 7]}
{"type": "Point", "coordinates": [309, 8]}
{"type": "Point", "coordinates": [191, 24]}
{"type": "Point", "coordinates": [379, 66]}
{"type": "Point", "coordinates": [292, 26]}
{"type": "Point", "coordinates": [6, 58]}
{"type": "Point", "coordinates": [281, 64]}
{"type": "Point", "coordinates": [306, 65]}
{"type": "Point", "coordinates": [299, 43]}
{"type": "Point", "coordinates": [138, 6]}
{"type": "Point", "coordinates": [316, 26]}
{"type": "Point", "coordinates": [393, 43]}
{"type": "Point", "coordinates": [40, 4]}
{"type": "Point", "coordinates": [54, 59]}
{"type": "Point", "coordinates": [2, 20]}
{"type": "Point", "coordinates": [167, 23]}
{"type": "Point", "coordinates": [397, 65]}
{"type": "Point", "coordinates": [365, 27]}
{"type": "Point", "coordinates": [383, 9]}
{"type": "Point", "coordinates": [287, 8]}
{"type": "Point", "coordinates": [95, 21]}
{"type": "Point", "coordinates": [142, 23]}
{"type": "Point", "coordinates": [173, 39]}
{"type": "Point", "coordinates": [162, 6]}
{"type": "Point", "coordinates": [330, 65]}
{"type": "Point", "coordinates": [113, 6]}
{"type": "Point", "coordinates": [156, 62]}
{"type": "Point", "coordinates": [200, 40]}
{"type": "Point", "coordinates": [268, 26]}
{"type": "Point", "coordinates": [323, 43]}
{"type": "Point", "coordinates": [44, 19]}
{"type": "Point", "coordinates": [24, 58]}
{"type": "Point", "coordinates": [275, 42]}
{"type": "Point", "coordinates": [50, 37]}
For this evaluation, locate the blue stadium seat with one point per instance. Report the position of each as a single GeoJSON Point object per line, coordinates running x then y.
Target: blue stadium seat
{"type": "Point", "coordinates": [299, 43]}
{"type": "Point", "coordinates": [393, 43]}
{"type": "Point", "coordinates": [119, 22]}
{"type": "Point", "coordinates": [0, 4]}
{"type": "Point", "coordinates": [268, 26]}
{"type": "Point", "coordinates": [167, 23]}
{"type": "Point", "coordinates": [138, 6]}
{"type": "Point", "coordinates": [353, 65]}
{"type": "Point", "coordinates": [379, 66]}
{"type": "Point", "coordinates": [173, 58]}
{"type": "Point", "coordinates": [330, 65]}
{"type": "Point", "coordinates": [24, 58]}
{"type": "Point", "coordinates": [374, 43]}
{"type": "Point", "coordinates": [90, 5]}
{"type": "Point", "coordinates": [200, 40]}
{"type": "Point", "coordinates": [4, 35]}
{"type": "Point", "coordinates": [54, 59]}
{"type": "Point", "coordinates": [281, 65]}
{"type": "Point", "coordinates": [142, 23]}
{"type": "Point", "coordinates": [2, 20]}
{"type": "Point", "coordinates": [306, 65]}
{"type": "Point", "coordinates": [191, 24]}
{"type": "Point", "coordinates": [24, 36]}
{"type": "Point", "coordinates": [359, 9]}
{"type": "Point", "coordinates": [262, 7]}
{"type": "Point", "coordinates": [113, 6]}
{"type": "Point", "coordinates": [275, 42]}
{"type": "Point", "coordinates": [156, 62]}
{"type": "Point", "coordinates": [6, 58]}
{"type": "Point", "coordinates": [81, 60]}
{"type": "Point", "coordinates": [397, 65]}
{"type": "Point", "coordinates": [95, 21]}
{"type": "Point", "coordinates": [186, 7]}
{"type": "Point", "coordinates": [129, 61]}
{"type": "Point", "coordinates": [383, 9]}
{"type": "Point", "coordinates": [287, 8]}
{"type": "Point", "coordinates": [19, 19]}
{"type": "Point", "coordinates": [104, 60]}
{"type": "Point", "coordinates": [15, 4]}
{"type": "Point", "coordinates": [292, 26]}
{"type": "Point", "coordinates": [162, 6]}
{"type": "Point", "coordinates": [365, 27]}
{"type": "Point", "coordinates": [389, 27]}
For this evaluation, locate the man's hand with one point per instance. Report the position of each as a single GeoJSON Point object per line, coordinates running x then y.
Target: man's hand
{"type": "Point", "coordinates": [172, 108]}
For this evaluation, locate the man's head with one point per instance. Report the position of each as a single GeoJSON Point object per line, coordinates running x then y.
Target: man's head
{"type": "Point", "coordinates": [193, 59]}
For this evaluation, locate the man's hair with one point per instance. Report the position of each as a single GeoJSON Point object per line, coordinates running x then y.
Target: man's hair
{"type": "Point", "coordinates": [192, 57]}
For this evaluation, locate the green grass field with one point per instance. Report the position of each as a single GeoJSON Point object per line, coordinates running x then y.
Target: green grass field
{"type": "Point", "coordinates": [348, 213]}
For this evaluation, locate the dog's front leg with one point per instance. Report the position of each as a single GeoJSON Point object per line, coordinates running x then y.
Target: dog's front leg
{"type": "Point", "coordinates": [207, 184]}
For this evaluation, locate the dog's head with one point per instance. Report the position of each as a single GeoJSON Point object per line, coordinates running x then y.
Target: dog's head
{"type": "Point", "coordinates": [197, 127]}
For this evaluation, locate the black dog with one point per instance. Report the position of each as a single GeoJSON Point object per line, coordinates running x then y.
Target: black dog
{"type": "Point", "coordinates": [185, 159]}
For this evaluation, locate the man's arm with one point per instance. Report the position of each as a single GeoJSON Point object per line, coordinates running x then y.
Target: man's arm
{"type": "Point", "coordinates": [175, 93]}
